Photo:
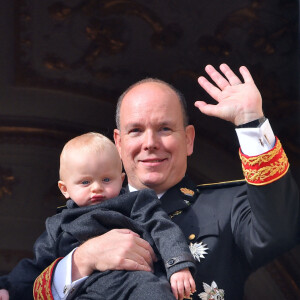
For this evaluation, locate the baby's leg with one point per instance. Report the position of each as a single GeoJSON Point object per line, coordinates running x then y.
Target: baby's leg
{"type": "Point", "coordinates": [125, 285]}
{"type": "Point", "coordinates": [149, 286]}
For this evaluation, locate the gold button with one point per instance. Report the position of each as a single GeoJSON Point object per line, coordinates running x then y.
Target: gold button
{"type": "Point", "coordinates": [191, 236]}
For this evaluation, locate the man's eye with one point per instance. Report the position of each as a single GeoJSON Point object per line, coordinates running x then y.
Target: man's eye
{"type": "Point", "coordinates": [134, 130]}
{"type": "Point", "coordinates": [165, 130]}
{"type": "Point", "coordinates": [106, 180]}
{"type": "Point", "coordinates": [85, 182]}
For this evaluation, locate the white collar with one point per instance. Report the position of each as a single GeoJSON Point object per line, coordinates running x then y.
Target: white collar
{"type": "Point", "coordinates": [133, 189]}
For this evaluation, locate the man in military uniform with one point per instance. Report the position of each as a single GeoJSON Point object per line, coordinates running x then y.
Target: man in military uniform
{"type": "Point", "coordinates": [232, 228]}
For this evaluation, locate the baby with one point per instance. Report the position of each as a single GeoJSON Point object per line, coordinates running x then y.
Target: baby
{"type": "Point", "coordinates": [90, 174]}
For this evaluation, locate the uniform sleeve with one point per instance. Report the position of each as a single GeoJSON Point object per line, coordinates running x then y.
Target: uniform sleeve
{"type": "Point", "coordinates": [168, 237]}
{"type": "Point", "coordinates": [4, 282]}
{"type": "Point", "coordinates": [21, 278]}
{"type": "Point", "coordinates": [42, 284]}
{"type": "Point", "coordinates": [265, 220]}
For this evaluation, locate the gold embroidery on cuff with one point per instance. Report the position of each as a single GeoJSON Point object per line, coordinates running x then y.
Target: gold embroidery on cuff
{"type": "Point", "coordinates": [265, 168]}
{"type": "Point", "coordinates": [266, 157]}
{"type": "Point", "coordinates": [42, 283]}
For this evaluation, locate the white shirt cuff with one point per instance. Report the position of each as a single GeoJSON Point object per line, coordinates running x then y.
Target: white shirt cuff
{"type": "Point", "coordinates": [256, 141]}
{"type": "Point", "coordinates": [62, 284]}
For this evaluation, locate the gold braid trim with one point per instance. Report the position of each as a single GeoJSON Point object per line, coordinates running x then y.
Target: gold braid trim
{"type": "Point", "coordinates": [176, 213]}
{"type": "Point", "coordinates": [264, 158]}
{"type": "Point", "coordinates": [266, 172]}
{"type": "Point", "coordinates": [42, 284]}
{"type": "Point", "coordinates": [265, 168]}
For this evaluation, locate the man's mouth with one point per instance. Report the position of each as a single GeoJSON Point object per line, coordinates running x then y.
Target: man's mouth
{"type": "Point", "coordinates": [153, 162]}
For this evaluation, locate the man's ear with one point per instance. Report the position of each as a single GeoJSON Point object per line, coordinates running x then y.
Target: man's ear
{"type": "Point", "coordinates": [190, 137]}
{"type": "Point", "coordinates": [117, 139]}
{"type": "Point", "coordinates": [63, 188]}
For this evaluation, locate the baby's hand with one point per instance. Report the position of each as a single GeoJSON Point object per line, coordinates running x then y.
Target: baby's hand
{"type": "Point", "coordinates": [182, 284]}
{"type": "Point", "coordinates": [4, 295]}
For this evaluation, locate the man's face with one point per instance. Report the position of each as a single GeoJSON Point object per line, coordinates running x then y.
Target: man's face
{"type": "Point", "coordinates": [152, 140]}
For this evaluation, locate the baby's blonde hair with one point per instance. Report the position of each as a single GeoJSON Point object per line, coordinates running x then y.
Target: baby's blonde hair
{"type": "Point", "coordinates": [88, 142]}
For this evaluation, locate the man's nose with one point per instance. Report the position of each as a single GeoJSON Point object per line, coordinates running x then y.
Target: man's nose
{"type": "Point", "coordinates": [151, 140]}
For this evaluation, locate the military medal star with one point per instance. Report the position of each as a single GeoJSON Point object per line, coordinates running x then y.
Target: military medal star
{"type": "Point", "coordinates": [198, 250]}
{"type": "Point", "coordinates": [188, 203]}
{"type": "Point", "coordinates": [211, 292]}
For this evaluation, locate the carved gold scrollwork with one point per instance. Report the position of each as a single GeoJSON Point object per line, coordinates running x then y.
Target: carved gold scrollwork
{"type": "Point", "coordinates": [59, 11]}
{"type": "Point", "coordinates": [105, 35]}
{"type": "Point", "coordinates": [6, 182]}
{"type": "Point", "coordinates": [250, 20]}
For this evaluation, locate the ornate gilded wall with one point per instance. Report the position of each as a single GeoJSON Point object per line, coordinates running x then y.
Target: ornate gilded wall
{"type": "Point", "coordinates": [64, 63]}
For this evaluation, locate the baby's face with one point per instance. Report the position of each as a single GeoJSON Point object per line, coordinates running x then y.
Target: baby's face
{"type": "Point", "coordinates": [92, 178]}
